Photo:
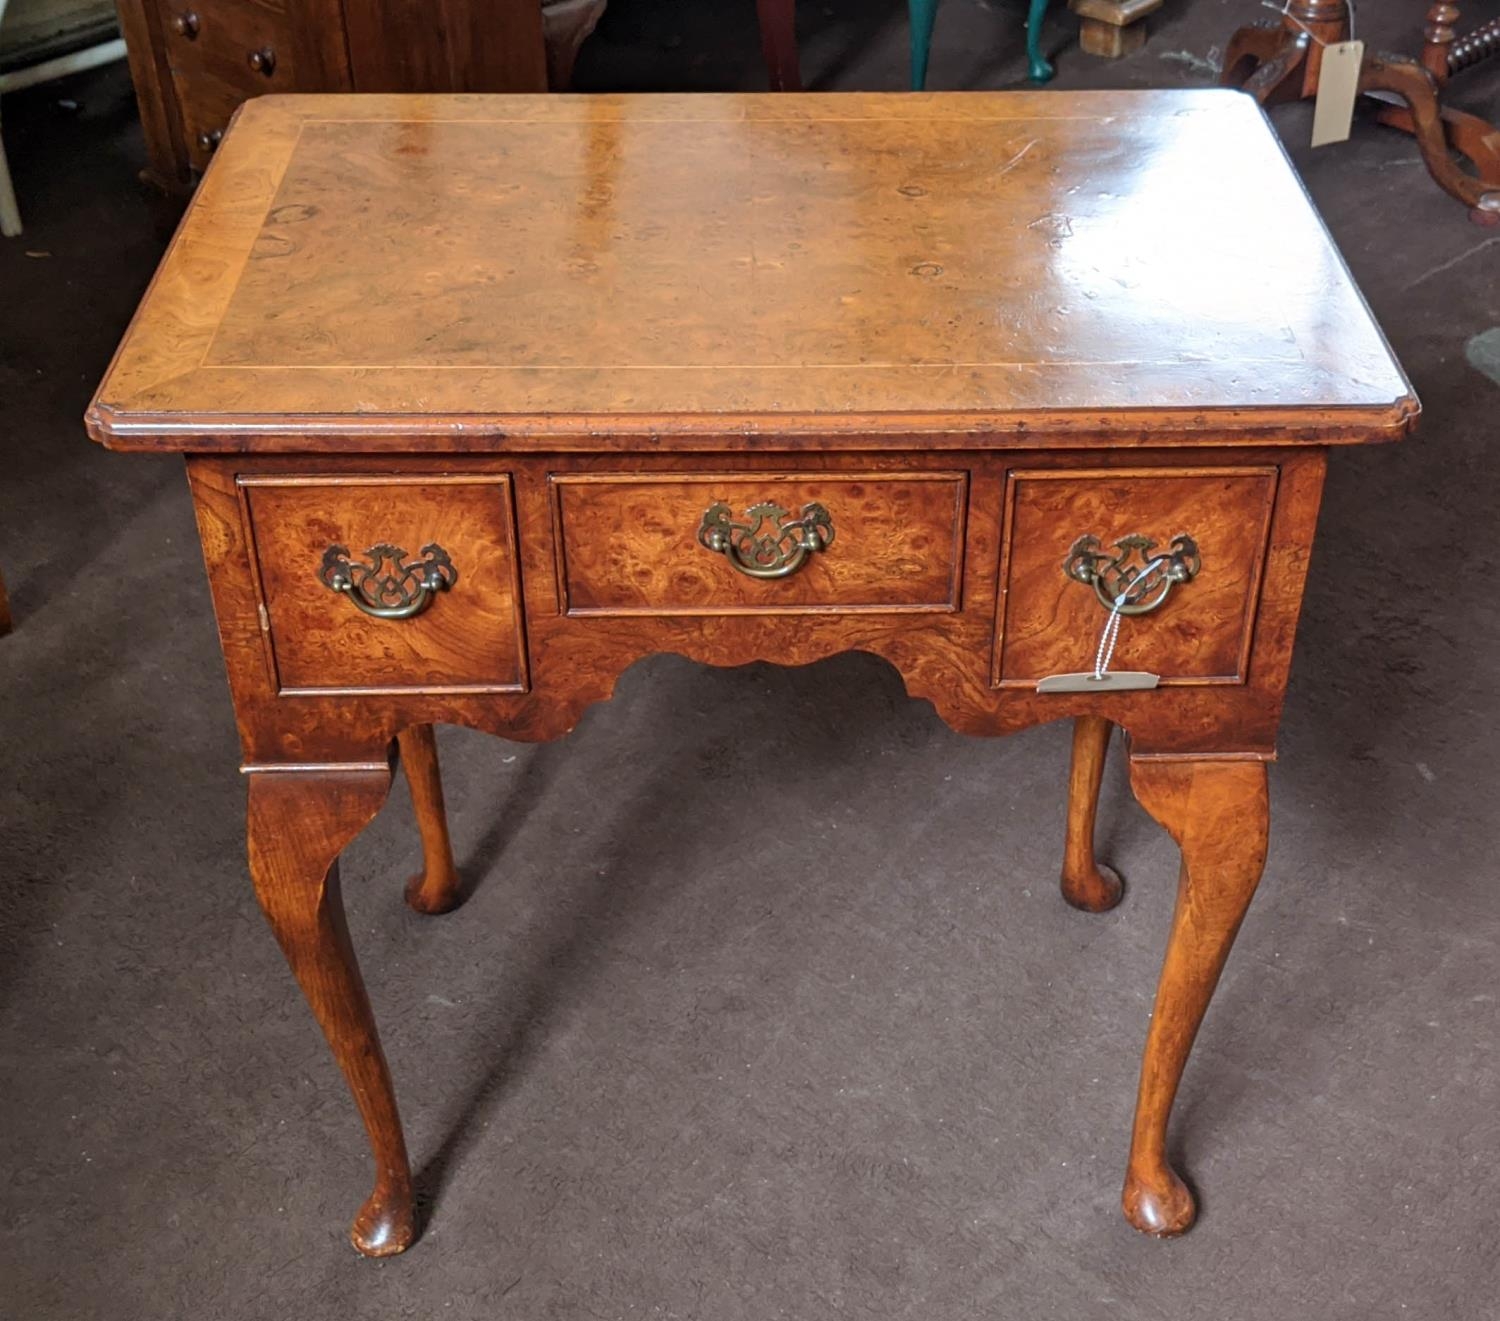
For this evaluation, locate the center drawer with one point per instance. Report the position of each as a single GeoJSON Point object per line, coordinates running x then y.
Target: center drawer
{"type": "Point", "coordinates": [759, 543]}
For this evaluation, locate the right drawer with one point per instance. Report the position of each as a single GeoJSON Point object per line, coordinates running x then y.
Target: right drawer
{"type": "Point", "coordinates": [1049, 621]}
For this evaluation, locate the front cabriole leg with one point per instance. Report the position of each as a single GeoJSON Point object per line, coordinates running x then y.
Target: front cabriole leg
{"type": "Point", "coordinates": [1217, 812]}
{"type": "Point", "coordinates": [299, 822]}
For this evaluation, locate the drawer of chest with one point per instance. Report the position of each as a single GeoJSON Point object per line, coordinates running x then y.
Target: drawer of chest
{"type": "Point", "coordinates": [222, 52]}
{"type": "Point", "coordinates": [749, 543]}
{"type": "Point", "coordinates": [386, 584]}
{"type": "Point", "coordinates": [207, 105]}
{"type": "Point", "coordinates": [257, 47]}
{"type": "Point", "coordinates": [1182, 551]}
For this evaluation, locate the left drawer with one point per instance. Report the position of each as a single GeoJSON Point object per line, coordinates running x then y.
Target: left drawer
{"type": "Point", "coordinates": [388, 584]}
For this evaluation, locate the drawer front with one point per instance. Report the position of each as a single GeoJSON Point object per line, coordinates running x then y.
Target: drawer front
{"type": "Point", "coordinates": [1050, 621]}
{"type": "Point", "coordinates": [773, 543]}
{"type": "Point", "coordinates": [222, 52]}
{"type": "Point", "coordinates": [257, 45]}
{"type": "Point", "coordinates": [436, 555]}
{"type": "Point", "coordinates": [207, 106]}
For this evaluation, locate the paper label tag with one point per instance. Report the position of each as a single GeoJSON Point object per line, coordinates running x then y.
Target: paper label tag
{"type": "Point", "coordinates": [1338, 85]}
{"type": "Point", "coordinates": [1113, 681]}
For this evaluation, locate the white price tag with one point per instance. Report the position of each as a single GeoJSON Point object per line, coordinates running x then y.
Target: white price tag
{"type": "Point", "coordinates": [1338, 86]}
{"type": "Point", "coordinates": [1114, 681]}
{"type": "Point", "coordinates": [1101, 679]}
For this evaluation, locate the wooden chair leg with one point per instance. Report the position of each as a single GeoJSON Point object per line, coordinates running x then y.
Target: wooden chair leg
{"type": "Point", "coordinates": [923, 14]}
{"type": "Point", "coordinates": [1038, 67]}
{"type": "Point", "coordinates": [778, 41]}
{"type": "Point", "coordinates": [298, 823]}
{"type": "Point", "coordinates": [1085, 883]}
{"type": "Point", "coordinates": [435, 889]}
{"type": "Point", "coordinates": [1217, 811]}
{"type": "Point", "coordinates": [1249, 48]}
{"type": "Point", "coordinates": [1278, 62]}
{"type": "Point", "coordinates": [1422, 117]}
{"type": "Point", "coordinates": [1283, 77]}
{"type": "Point", "coordinates": [1267, 61]}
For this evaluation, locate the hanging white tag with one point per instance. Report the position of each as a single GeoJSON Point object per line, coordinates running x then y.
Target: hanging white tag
{"type": "Point", "coordinates": [1115, 681]}
{"type": "Point", "coordinates": [1338, 86]}
{"type": "Point", "coordinates": [1101, 679]}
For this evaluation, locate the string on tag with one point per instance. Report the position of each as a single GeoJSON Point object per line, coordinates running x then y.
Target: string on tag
{"type": "Point", "coordinates": [1137, 588]}
{"type": "Point", "coordinates": [1107, 638]}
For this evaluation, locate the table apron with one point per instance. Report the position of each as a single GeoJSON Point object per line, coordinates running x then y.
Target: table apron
{"type": "Point", "coordinates": [359, 594]}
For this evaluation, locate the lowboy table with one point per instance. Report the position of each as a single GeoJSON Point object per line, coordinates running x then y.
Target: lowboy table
{"type": "Point", "coordinates": [484, 398]}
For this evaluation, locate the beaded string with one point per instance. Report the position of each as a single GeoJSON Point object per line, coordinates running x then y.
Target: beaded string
{"type": "Point", "coordinates": [1137, 588]}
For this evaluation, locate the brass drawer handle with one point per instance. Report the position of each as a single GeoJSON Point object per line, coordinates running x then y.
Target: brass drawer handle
{"type": "Point", "coordinates": [1134, 581]}
{"type": "Point", "coordinates": [390, 586]}
{"type": "Point", "coordinates": [208, 141]}
{"type": "Point", "coordinates": [185, 24]}
{"type": "Point", "coordinates": [759, 551]}
{"type": "Point", "coordinates": [263, 60]}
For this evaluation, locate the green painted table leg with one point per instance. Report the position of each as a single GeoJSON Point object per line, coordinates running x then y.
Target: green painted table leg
{"type": "Point", "coordinates": [922, 12]}
{"type": "Point", "coordinates": [1038, 67]}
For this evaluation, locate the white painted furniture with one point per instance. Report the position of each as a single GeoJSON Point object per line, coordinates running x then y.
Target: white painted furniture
{"type": "Point", "coordinates": [28, 76]}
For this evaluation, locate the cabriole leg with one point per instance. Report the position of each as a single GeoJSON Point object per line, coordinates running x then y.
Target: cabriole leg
{"type": "Point", "coordinates": [435, 888]}
{"type": "Point", "coordinates": [1217, 812]}
{"type": "Point", "coordinates": [1086, 884]}
{"type": "Point", "coordinates": [298, 824]}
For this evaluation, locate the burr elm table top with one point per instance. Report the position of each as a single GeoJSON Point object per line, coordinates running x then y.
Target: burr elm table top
{"type": "Point", "coordinates": [544, 267]}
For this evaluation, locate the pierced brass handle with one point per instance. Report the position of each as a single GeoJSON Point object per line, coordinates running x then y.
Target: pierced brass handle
{"type": "Point", "coordinates": [1134, 581]}
{"type": "Point", "coordinates": [761, 551]}
{"type": "Point", "coordinates": [263, 60]}
{"type": "Point", "coordinates": [208, 141]}
{"type": "Point", "coordinates": [389, 586]}
{"type": "Point", "coordinates": [186, 24]}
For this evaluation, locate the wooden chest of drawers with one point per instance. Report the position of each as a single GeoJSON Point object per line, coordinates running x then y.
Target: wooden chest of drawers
{"type": "Point", "coordinates": [195, 61]}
